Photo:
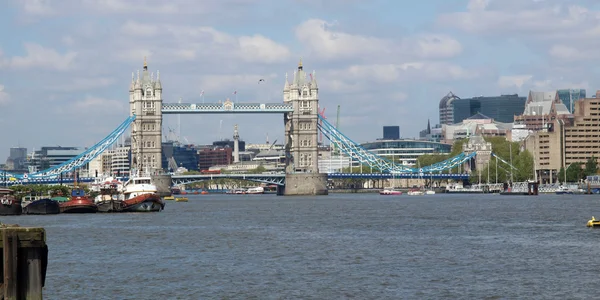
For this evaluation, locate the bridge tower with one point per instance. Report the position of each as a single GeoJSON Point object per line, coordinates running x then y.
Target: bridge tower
{"type": "Point", "coordinates": [145, 101]}
{"type": "Point", "coordinates": [301, 136]}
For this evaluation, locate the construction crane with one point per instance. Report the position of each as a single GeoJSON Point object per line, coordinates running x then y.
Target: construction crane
{"type": "Point", "coordinates": [337, 119]}
{"type": "Point", "coordinates": [337, 123]}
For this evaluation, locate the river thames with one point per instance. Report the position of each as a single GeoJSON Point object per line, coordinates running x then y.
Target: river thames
{"type": "Point", "coordinates": [341, 246]}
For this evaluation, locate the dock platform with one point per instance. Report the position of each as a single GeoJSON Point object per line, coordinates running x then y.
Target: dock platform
{"type": "Point", "coordinates": [24, 262]}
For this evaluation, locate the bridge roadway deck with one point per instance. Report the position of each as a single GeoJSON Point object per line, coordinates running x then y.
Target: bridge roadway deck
{"type": "Point", "coordinates": [226, 107]}
{"type": "Point", "coordinates": [278, 179]}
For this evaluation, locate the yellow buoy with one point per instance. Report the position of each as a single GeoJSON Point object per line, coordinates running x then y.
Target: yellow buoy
{"type": "Point", "coordinates": [593, 222]}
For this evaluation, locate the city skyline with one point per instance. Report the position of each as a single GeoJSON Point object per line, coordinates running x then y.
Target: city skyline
{"type": "Point", "coordinates": [65, 66]}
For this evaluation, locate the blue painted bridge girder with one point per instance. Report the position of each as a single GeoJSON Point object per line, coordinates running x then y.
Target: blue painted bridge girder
{"type": "Point", "coordinates": [226, 107]}
{"type": "Point", "coordinates": [278, 179]}
{"type": "Point", "coordinates": [398, 176]}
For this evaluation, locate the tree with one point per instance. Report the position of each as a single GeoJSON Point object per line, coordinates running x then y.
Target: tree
{"type": "Point", "coordinates": [574, 173]}
{"type": "Point", "coordinates": [524, 165]}
{"type": "Point", "coordinates": [258, 170]}
{"type": "Point", "coordinates": [591, 167]}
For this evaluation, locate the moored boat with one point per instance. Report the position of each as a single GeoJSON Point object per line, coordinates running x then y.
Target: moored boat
{"type": "Point", "coordinates": [110, 199]}
{"type": "Point", "coordinates": [181, 199]}
{"type": "Point", "coordinates": [256, 190]}
{"type": "Point", "coordinates": [175, 190]}
{"type": "Point", "coordinates": [143, 203]}
{"type": "Point", "coordinates": [415, 193]}
{"type": "Point", "coordinates": [43, 206]}
{"type": "Point", "coordinates": [79, 203]}
{"type": "Point", "coordinates": [390, 191]}
{"type": "Point", "coordinates": [141, 195]}
{"type": "Point", "coordinates": [9, 204]}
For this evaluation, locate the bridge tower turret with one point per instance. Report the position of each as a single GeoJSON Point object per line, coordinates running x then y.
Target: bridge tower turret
{"type": "Point", "coordinates": [145, 101]}
{"type": "Point", "coordinates": [301, 136]}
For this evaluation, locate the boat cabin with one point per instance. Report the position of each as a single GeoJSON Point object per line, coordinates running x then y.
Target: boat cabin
{"type": "Point", "coordinates": [76, 192]}
{"type": "Point", "coordinates": [139, 180]}
{"type": "Point", "coordinates": [4, 191]}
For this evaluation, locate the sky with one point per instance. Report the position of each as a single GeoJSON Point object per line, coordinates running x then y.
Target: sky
{"type": "Point", "coordinates": [66, 65]}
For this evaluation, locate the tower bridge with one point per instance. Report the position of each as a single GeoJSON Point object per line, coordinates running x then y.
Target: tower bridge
{"type": "Point", "coordinates": [302, 124]}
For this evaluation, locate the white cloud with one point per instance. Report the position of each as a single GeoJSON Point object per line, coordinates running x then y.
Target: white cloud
{"type": "Point", "coordinates": [37, 7]}
{"type": "Point", "coordinates": [139, 29]}
{"type": "Point", "coordinates": [525, 18]}
{"type": "Point", "coordinates": [95, 105]}
{"type": "Point", "coordinates": [258, 48]}
{"type": "Point", "coordinates": [83, 84]}
{"type": "Point", "coordinates": [4, 96]}
{"type": "Point", "coordinates": [183, 42]}
{"type": "Point", "coordinates": [327, 44]}
{"type": "Point", "coordinates": [513, 81]}
{"type": "Point", "coordinates": [38, 56]}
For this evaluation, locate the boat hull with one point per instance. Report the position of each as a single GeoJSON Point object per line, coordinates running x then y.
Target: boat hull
{"type": "Point", "coordinates": [390, 193]}
{"type": "Point", "coordinates": [564, 193]}
{"type": "Point", "coordinates": [42, 207]}
{"type": "Point", "coordinates": [108, 206]}
{"type": "Point", "coordinates": [144, 203]}
{"type": "Point", "coordinates": [78, 207]}
{"type": "Point", "coordinates": [13, 209]}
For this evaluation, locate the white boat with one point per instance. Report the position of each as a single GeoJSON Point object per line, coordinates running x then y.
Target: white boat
{"type": "Point", "coordinates": [415, 193]}
{"type": "Point", "coordinates": [390, 191]}
{"type": "Point", "coordinates": [429, 192]}
{"type": "Point", "coordinates": [140, 194]}
{"type": "Point", "coordinates": [136, 186]}
{"type": "Point", "coordinates": [255, 190]}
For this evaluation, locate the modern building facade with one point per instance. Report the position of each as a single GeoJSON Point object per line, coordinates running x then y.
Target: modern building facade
{"type": "Point", "coordinates": [49, 157]}
{"type": "Point", "coordinates": [208, 157]}
{"type": "Point", "coordinates": [175, 155]}
{"type": "Point", "coordinates": [406, 152]}
{"type": "Point", "coordinates": [568, 141]}
{"type": "Point", "coordinates": [17, 159]}
{"type": "Point", "coordinates": [569, 96]}
{"type": "Point", "coordinates": [446, 109]}
{"type": "Point", "coordinates": [500, 108]}
{"type": "Point", "coordinates": [226, 143]}
{"type": "Point", "coordinates": [391, 132]}
{"type": "Point", "coordinates": [476, 125]}
{"type": "Point", "coordinates": [540, 110]}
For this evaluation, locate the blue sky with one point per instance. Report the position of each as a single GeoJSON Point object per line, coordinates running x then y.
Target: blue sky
{"type": "Point", "coordinates": [65, 65]}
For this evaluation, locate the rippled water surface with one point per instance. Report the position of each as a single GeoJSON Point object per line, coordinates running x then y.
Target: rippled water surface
{"type": "Point", "coordinates": [341, 246]}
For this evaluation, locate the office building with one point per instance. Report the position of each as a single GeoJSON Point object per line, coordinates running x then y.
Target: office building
{"type": "Point", "coordinates": [476, 125]}
{"type": "Point", "coordinates": [446, 109]}
{"type": "Point", "coordinates": [406, 151]}
{"type": "Point", "coordinates": [540, 109]}
{"type": "Point", "coordinates": [391, 132]}
{"type": "Point", "coordinates": [566, 141]}
{"type": "Point", "coordinates": [568, 97]}
{"type": "Point", "coordinates": [500, 108]}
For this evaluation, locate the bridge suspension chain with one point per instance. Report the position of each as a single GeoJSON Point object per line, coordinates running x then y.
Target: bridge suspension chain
{"type": "Point", "coordinates": [364, 156]}
{"type": "Point", "coordinates": [81, 159]}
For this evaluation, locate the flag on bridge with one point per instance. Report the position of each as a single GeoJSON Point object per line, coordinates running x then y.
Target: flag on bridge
{"type": "Point", "coordinates": [202, 93]}
{"type": "Point", "coordinates": [235, 92]}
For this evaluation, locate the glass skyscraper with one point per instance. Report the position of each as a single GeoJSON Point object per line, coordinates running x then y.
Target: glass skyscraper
{"type": "Point", "coordinates": [568, 97]}
{"type": "Point", "coordinates": [500, 108]}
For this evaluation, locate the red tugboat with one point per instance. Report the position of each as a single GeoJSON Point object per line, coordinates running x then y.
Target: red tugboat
{"type": "Point", "coordinates": [9, 204]}
{"type": "Point", "coordinates": [79, 203]}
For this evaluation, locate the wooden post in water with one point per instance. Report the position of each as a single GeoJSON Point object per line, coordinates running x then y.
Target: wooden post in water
{"type": "Point", "coordinates": [24, 262]}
